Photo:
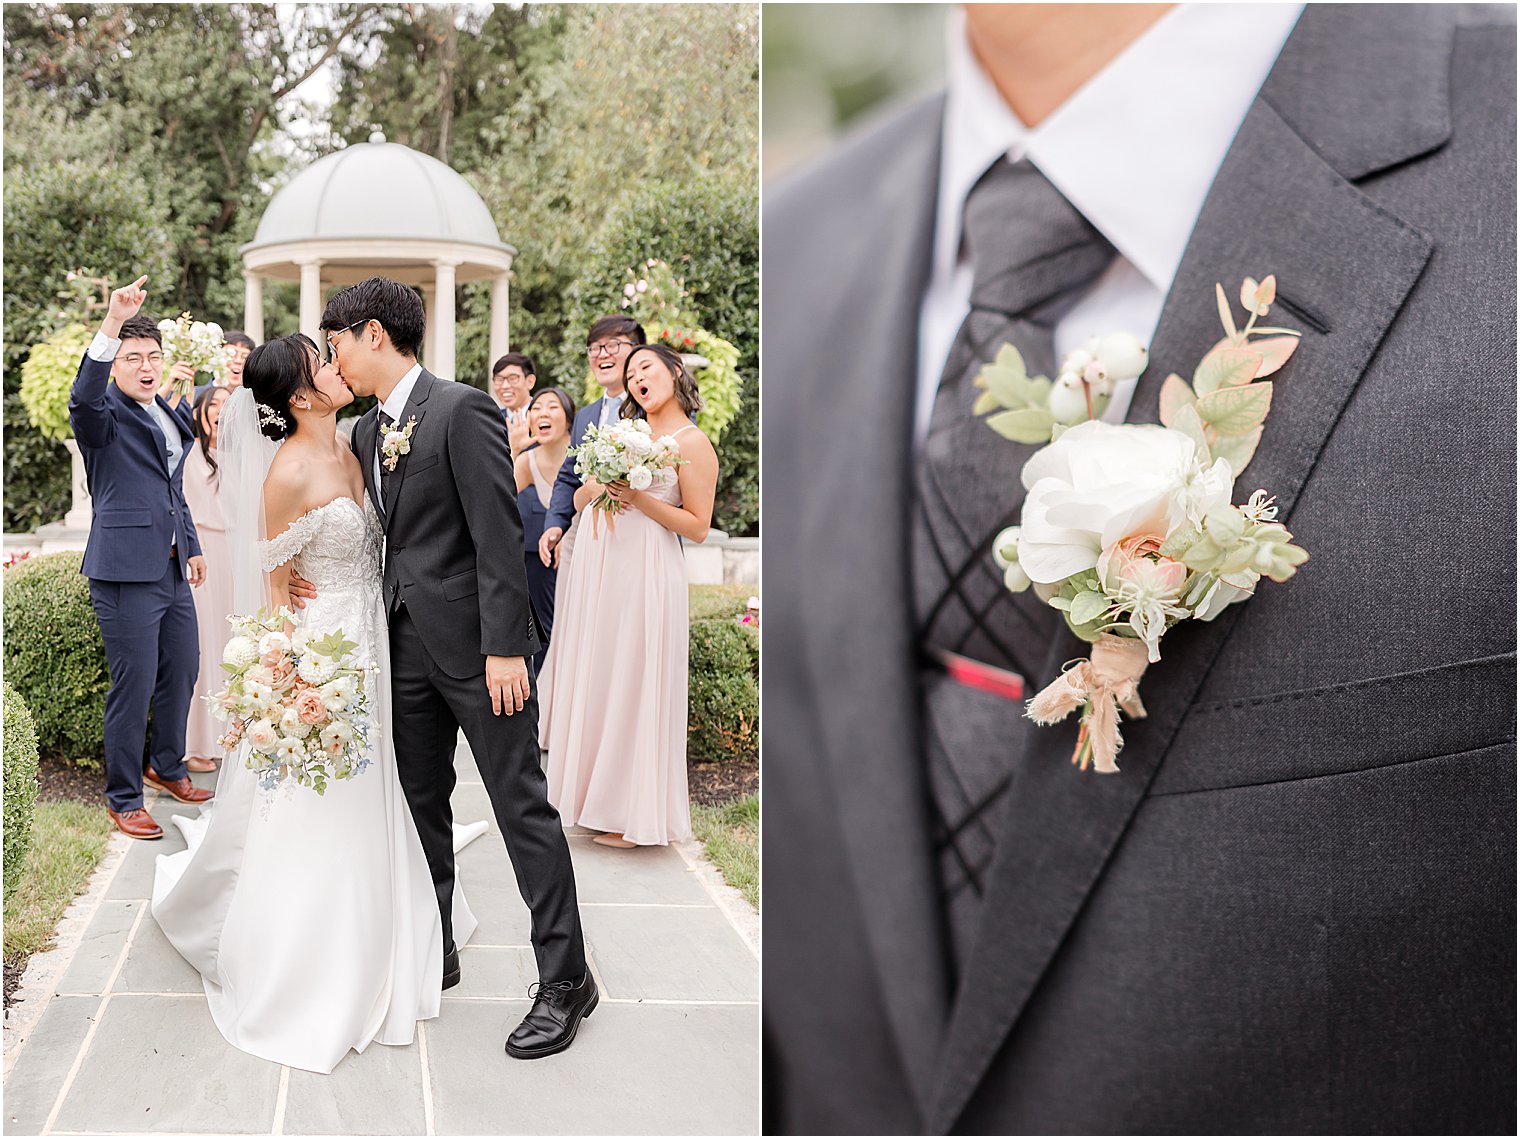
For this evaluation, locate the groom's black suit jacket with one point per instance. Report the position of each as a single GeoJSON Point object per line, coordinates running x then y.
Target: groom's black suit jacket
{"type": "Point", "coordinates": [1293, 910]}
{"type": "Point", "coordinates": [453, 537]}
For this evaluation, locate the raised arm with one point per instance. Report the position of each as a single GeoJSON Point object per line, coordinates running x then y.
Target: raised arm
{"type": "Point", "coordinates": [89, 414]}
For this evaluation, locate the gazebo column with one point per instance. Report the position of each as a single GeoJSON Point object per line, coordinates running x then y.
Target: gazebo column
{"type": "Point", "coordinates": [430, 330]}
{"type": "Point", "coordinates": [443, 346]}
{"type": "Point", "coordinates": [253, 305]}
{"type": "Point", "coordinates": [311, 298]}
{"type": "Point", "coordinates": [498, 317]}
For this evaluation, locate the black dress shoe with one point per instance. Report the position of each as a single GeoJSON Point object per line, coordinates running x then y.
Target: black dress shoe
{"type": "Point", "coordinates": [556, 1015]}
{"type": "Point", "coordinates": [451, 968]}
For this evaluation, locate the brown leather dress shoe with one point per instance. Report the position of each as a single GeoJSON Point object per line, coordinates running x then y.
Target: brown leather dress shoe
{"type": "Point", "coordinates": [181, 789]}
{"type": "Point", "coordinates": [136, 824]}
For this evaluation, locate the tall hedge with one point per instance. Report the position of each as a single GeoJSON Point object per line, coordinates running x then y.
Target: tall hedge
{"type": "Point", "coordinates": [20, 764]}
{"type": "Point", "coordinates": [54, 656]}
{"type": "Point", "coordinates": [707, 228]}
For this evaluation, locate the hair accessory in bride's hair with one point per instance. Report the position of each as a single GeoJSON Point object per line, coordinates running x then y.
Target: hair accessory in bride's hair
{"type": "Point", "coordinates": [268, 415]}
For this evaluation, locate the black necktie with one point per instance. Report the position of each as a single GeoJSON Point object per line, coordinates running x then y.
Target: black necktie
{"type": "Point", "coordinates": [386, 464]}
{"type": "Point", "coordinates": [1032, 256]}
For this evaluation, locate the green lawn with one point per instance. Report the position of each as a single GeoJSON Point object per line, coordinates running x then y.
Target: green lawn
{"type": "Point", "coordinates": [68, 840]}
{"type": "Point", "coordinates": [719, 600]}
{"type": "Point", "coordinates": [732, 836]}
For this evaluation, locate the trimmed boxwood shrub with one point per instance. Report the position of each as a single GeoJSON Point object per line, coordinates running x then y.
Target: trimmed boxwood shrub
{"type": "Point", "coordinates": [54, 656]}
{"type": "Point", "coordinates": [20, 760]}
{"type": "Point", "coordinates": [723, 714]}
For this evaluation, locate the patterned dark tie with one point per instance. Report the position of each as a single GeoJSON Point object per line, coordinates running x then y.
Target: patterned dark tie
{"type": "Point", "coordinates": [386, 423]}
{"type": "Point", "coordinates": [1032, 257]}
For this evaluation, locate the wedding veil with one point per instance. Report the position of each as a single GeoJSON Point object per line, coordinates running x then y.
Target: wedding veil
{"type": "Point", "coordinates": [243, 456]}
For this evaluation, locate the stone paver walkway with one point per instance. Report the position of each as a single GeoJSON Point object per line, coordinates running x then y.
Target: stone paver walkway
{"type": "Point", "coordinates": [113, 1035]}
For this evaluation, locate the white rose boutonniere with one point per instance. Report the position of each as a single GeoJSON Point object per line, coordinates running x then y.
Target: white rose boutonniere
{"type": "Point", "coordinates": [397, 442]}
{"type": "Point", "coordinates": [1129, 529]}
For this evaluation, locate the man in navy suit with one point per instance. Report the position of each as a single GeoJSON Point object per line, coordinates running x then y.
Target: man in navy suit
{"type": "Point", "coordinates": [142, 557]}
{"type": "Point", "coordinates": [608, 344]}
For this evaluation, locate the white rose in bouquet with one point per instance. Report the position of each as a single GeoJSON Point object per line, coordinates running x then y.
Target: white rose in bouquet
{"type": "Point", "coordinates": [291, 725]}
{"type": "Point", "coordinates": [640, 477]}
{"type": "Point", "coordinates": [262, 736]}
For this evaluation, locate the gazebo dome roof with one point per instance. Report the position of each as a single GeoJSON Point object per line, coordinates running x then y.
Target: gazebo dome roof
{"type": "Point", "coordinates": [377, 190]}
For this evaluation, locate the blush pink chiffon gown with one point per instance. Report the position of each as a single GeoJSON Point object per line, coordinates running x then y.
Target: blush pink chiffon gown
{"type": "Point", "coordinates": [615, 681]}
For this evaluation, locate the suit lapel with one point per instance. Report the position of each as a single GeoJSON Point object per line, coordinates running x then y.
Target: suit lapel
{"type": "Point", "coordinates": [413, 410]}
{"type": "Point", "coordinates": [860, 534]}
{"type": "Point", "coordinates": [1344, 267]}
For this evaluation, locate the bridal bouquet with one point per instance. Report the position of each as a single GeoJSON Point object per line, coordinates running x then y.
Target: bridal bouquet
{"type": "Point", "coordinates": [297, 699]}
{"type": "Point", "coordinates": [1129, 529]}
{"type": "Point", "coordinates": [624, 451]}
{"type": "Point", "coordinates": [197, 343]}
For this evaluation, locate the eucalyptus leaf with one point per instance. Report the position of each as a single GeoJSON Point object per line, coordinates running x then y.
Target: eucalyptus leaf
{"type": "Point", "coordinates": [1236, 560]}
{"type": "Point", "coordinates": [1224, 312]}
{"type": "Point", "coordinates": [1203, 556]}
{"type": "Point", "coordinates": [1236, 449]}
{"type": "Point", "coordinates": [1086, 607]}
{"type": "Point", "coordinates": [1186, 420]}
{"type": "Point", "coordinates": [1175, 394]}
{"type": "Point", "coordinates": [1236, 410]}
{"type": "Point", "coordinates": [1011, 387]}
{"type": "Point", "coordinates": [1225, 525]}
{"type": "Point", "coordinates": [1275, 351]}
{"type": "Point", "coordinates": [1024, 425]}
{"type": "Point", "coordinates": [1087, 632]}
{"type": "Point", "coordinates": [1225, 367]}
{"type": "Point", "coordinates": [985, 401]}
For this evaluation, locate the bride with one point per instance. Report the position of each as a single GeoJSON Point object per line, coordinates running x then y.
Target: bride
{"type": "Point", "coordinates": [312, 920]}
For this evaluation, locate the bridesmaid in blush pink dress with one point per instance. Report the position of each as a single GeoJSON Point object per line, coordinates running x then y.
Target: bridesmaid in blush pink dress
{"type": "Point", "coordinates": [213, 598]}
{"type": "Point", "coordinates": [617, 739]}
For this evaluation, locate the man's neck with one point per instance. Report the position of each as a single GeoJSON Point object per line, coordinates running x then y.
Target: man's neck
{"type": "Point", "coordinates": [1039, 55]}
{"type": "Point", "coordinates": [613, 393]}
{"type": "Point", "coordinates": [402, 365]}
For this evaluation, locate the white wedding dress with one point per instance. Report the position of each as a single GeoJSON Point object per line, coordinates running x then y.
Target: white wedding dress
{"type": "Point", "coordinates": [312, 919]}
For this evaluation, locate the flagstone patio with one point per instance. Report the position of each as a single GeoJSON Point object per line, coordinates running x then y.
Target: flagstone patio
{"type": "Point", "coordinates": [111, 1033]}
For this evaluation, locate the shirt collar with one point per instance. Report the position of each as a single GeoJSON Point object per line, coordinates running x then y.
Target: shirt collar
{"type": "Point", "coordinates": [1136, 148]}
{"type": "Point", "coordinates": [402, 392]}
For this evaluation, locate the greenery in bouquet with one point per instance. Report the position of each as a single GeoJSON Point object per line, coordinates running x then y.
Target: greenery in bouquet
{"type": "Point", "coordinates": [197, 343]}
{"type": "Point", "coordinates": [626, 450]}
{"type": "Point", "coordinates": [296, 699]}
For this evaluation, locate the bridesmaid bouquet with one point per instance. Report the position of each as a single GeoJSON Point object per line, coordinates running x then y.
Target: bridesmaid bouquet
{"type": "Point", "coordinates": [298, 701]}
{"type": "Point", "coordinates": [624, 451]}
{"type": "Point", "coordinates": [197, 343]}
{"type": "Point", "coordinates": [1130, 529]}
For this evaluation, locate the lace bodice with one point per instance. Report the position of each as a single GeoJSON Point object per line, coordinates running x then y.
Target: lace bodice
{"type": "Point", "coordinates": [332, 547]}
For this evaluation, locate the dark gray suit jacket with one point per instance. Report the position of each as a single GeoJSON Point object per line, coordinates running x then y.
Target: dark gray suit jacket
{"type": "Point", "coordinates": [1293, 910]}
{"type": "Point", "coordinates": [453, 537]}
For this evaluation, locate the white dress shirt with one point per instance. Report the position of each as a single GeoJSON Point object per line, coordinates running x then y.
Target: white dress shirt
{"type": "Point", "coordinates": [104, 349]}
{"type": "Point", "coordinates": [394, 405]}
{"type": "Point", "coordinates": [612, 407]}
{"type": "Point", "coordinates": [1135, 150]}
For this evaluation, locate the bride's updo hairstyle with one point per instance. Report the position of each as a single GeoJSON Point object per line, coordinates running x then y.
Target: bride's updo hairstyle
{"type": "Point", "coordinates": [686, 395]}
{"type": "Point", "coordinates": [276, 372]}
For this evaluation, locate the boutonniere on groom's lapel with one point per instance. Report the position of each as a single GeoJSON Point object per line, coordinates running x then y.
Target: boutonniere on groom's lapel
{"type": "Point", "coordinates": [397, 442]}
{"type": "Point", "coordinates": [1128, 529]}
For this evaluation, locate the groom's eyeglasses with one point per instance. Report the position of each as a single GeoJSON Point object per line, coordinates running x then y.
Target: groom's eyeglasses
{"type": "Point", "coordinates": [608, 348]}
{"type": "Point", "coordinates": [332, 350]}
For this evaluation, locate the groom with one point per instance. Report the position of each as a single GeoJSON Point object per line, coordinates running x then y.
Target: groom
{"type": "Point", "coordinates": [461, 627]}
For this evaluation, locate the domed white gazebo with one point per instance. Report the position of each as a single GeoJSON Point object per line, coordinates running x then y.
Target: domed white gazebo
{"type": "Point", "coordinates": [379, 208]}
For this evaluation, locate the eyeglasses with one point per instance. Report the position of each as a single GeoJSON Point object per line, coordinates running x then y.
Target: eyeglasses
{"type": "Point", "coordinates": [134, 360]}
{"type": "Point", "coordinates": [333, 348]}
{"type": "Point", "coordinates": [608, 348]}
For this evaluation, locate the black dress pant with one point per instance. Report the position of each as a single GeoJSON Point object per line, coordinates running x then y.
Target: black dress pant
{"type": "Point", "coordinates": [428, 709]}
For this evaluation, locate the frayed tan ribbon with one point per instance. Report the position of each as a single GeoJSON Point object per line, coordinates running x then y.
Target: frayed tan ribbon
{"type": "Point", "coordinates": [1106, 683]}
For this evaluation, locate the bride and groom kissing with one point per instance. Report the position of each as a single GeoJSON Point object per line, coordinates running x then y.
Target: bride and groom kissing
{"type": "Point", "coordinates": [321, 924]}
